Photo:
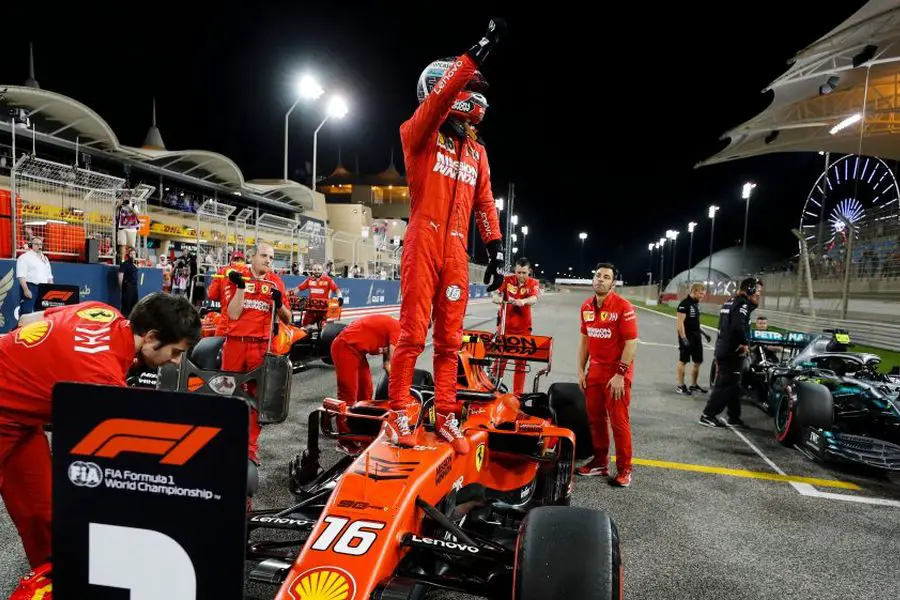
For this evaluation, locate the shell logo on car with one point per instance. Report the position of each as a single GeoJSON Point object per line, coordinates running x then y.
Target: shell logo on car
{"type": "Point", "coordinates": [34, 333]}
{"type": "Point", "coordinates": [323, 583]}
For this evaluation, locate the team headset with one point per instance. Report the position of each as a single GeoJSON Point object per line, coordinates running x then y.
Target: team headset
{"type": "Point", "coordinates": [749, 286]}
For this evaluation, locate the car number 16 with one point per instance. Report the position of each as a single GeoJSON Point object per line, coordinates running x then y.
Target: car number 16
{"type": "Point", "coordinates": [355, 539]}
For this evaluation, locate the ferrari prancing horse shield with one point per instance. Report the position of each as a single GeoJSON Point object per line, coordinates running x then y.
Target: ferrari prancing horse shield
{"type": "Point", "coordinates": [479, 457]}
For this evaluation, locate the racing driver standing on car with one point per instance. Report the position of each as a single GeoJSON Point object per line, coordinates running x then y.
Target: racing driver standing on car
{"type": "Point", "coordinates": [608, 342]}
{"type": "Point", "coordinates": [320, 287]}
{"type": "Point", "coordinates": [250, 295]}
{"type": "Point", "coordinates": [448, 172]}
{"type": "Point", "coordinates": [516, 295]}
{"type": "Point", "coordinates": [89, 342]}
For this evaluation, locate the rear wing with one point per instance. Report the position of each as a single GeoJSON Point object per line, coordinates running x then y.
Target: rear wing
{"type": "Point", "coordinates": [488, 345]}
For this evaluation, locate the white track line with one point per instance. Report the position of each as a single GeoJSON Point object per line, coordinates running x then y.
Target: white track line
{"type": "Point", "coordinates": [804, 489]}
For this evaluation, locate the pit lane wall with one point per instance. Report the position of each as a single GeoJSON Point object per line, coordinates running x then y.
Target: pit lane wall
{"type": "Point", "coordinates": [100, 283]}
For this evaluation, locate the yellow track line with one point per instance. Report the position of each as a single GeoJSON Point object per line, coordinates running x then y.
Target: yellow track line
{"type": "Point", "coordinates": [664, 464]}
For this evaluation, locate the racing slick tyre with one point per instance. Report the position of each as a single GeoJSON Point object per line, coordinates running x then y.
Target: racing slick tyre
{"type": "Point", "coordinates": [329, 332]}
{"type": "Point", "coordinates": [550, 536]}
{"type": "Point", "coordinates": [567, 402]}
{"type": "Point", "coordinates": [421, 377]}
{"type": "Point", "coordinates": [802, 404]}
{"type": "Point", "coordinates": [207, 354]}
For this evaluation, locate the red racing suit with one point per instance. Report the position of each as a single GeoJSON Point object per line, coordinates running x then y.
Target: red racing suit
{"type": "Point", "coordinates": [518, 319]}
{"type": "Point", "coordinates": [608, 327]}
{"type": "Point", "coordinates": [320, 289]}
{"type": "Point", "coordinates": [247, 338]}
{"type": "Point", "coordinates": [89, 342]}
{"type": "Point", "coordinates": [446, 176]}
{"type": "Point", "coordinates": [214, 293]}
{"type": "Point", "coordinates": [372, 334]}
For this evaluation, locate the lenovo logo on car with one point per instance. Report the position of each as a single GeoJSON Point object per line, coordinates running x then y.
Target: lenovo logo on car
{"type": "Point", "coordinates": [441, 543]}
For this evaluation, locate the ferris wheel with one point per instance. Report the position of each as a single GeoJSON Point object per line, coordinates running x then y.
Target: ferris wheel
{"type": "Point", "coordinates": [861, 189]}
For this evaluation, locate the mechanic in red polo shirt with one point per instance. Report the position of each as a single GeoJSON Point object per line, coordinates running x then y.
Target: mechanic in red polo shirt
{"type": "Point", "coordinates": [89, 342]}
{"type": "Point", "coordinates": [373, 334]}
{"type": "Point", "coordinates": [250, 295]}
{"type": "Point", "coordinates": [608, 342]}
{"type": "Point", "coordinates": [320, 288]}
{"type": "Point", "coordinates": [518, 292]}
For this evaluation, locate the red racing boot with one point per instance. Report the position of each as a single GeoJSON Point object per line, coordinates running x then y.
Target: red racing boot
{"type": "Point", "coordinates": [447, 426]}
{"type": "Point", "coordinates": [398, 426]}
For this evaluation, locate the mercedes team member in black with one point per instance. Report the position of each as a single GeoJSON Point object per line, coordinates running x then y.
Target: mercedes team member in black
{"type": "Point", "coordinates": [731, 346]}
{"type": "Point", "coordinates": [690, 347]}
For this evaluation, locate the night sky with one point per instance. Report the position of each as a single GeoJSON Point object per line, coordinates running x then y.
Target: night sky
{"type": "Point", "coordinates": [598, 117]}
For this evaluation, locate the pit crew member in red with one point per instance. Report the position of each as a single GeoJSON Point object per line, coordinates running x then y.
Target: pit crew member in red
{"type": "Point", "coordinates": [89, 342]}
{"type": "Point", "coordinates": [448, 173]}
{"type": "Point", "coordinates": [374, 334]}
{"type": "Point", "coordinates": [608, 342]}
{"type": "Point", "coordinates": [320, 288]}
{"type": "Point", "coordinates": [251, 294]}
{"type": "Point", "coordinates": [517, 293]}
{"type": "Point", "coordinates": [214, 292]}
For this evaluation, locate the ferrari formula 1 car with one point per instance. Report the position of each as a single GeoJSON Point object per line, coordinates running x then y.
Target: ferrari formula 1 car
{"type": "Point", "coordinates": [390, 522]}
{"type": "Point", "coordinates": [826, 401]}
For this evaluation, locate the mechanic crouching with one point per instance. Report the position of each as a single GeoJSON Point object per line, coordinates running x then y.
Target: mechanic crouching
{"type": "Point", "coordinates": [731, 346]}
{"type": "Point", "coordinates": [89, 342]}
{"type": "Point", "coordinates": [251, 295]}
{"type": "Point", "coordinates": [370, 335]}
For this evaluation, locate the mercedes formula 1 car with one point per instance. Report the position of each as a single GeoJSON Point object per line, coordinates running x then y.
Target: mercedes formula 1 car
{"type": "Point", "coordinates": [393, 523]}
{"type": "Point", "coordinates": [826, 401]}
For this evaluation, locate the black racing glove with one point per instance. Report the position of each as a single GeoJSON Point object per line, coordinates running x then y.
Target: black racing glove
{"type": "Point", "coordinates": [706, 335]}
{"type": "Point", "coordinates": [236, 278]}
{"type": "Point", "coordinates": [277, 299]}
{"type": "Point", "coordinates": [340, 301]}
{"type": "Point", "coordinates": [495, 30]}
{"type": "Point", "coordinates": [492, 276]}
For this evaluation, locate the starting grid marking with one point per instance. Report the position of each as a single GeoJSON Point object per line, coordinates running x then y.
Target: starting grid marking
{"type": "Point", "coordinates": [780, 477]}
{"type": "Point", "coordinates": [803, 485]}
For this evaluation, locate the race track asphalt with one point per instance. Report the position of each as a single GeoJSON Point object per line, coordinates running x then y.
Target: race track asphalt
{"type": "Point", "coordinates": [707, 516]}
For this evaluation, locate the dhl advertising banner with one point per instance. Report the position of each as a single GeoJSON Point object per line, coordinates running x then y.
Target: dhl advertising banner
{"type": "Point", "coordinates": [94, 282]}
{"type": "Point", "coordinates": [149, 494]}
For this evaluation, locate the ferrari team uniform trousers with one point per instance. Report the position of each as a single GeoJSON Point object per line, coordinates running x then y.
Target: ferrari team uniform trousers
{"type": "Point", "coordinates": [434, 281]}
{"type": "Point", "coordinates": [354, 378]}
{"type": "Point", "coordinates": [603, 412]}
{"type": "Point", "coordinates": [520, 369]}
{"type": "Point", "coordinates": [25, 479]}
{"type": "Point", "coordinates": [241, 355]}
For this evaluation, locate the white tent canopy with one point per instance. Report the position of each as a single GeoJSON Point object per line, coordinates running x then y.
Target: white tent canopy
{"type": "Point", "coordinates": [853, 72]}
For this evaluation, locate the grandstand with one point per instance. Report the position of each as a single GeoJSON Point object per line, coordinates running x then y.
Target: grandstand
{"type": "Point", "coordinates": [63, 172]}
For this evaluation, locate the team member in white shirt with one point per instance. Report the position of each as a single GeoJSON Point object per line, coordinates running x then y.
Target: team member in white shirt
{"type": "Point", "coordinates": [32, 269]}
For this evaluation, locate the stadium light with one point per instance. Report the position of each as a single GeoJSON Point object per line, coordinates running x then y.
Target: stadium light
{"type": "Point", "coordinates": [691, 227]}
{"type": "Point", "coordinates": [498, 202]}
{"type": "Point", "coordinates": [524, 229]}
{"type": "Point", "coordinates": [338, 109]}
{"type": "Point", "coordinates": [307, 89]}
{"type": "Point", "coordinates": [746, 192]}
{"type": "Point", "coordinates": [854, 118]}
{"type": "Point", "coordinates": [515, 219]}
{"type": "Point", "coordinates": [713, 209]}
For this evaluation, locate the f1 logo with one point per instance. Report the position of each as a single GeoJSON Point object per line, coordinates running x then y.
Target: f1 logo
{"type": "Point", "coordinates": [176, 443]}
{"type": "Point", "coordinates": [58, 295]}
